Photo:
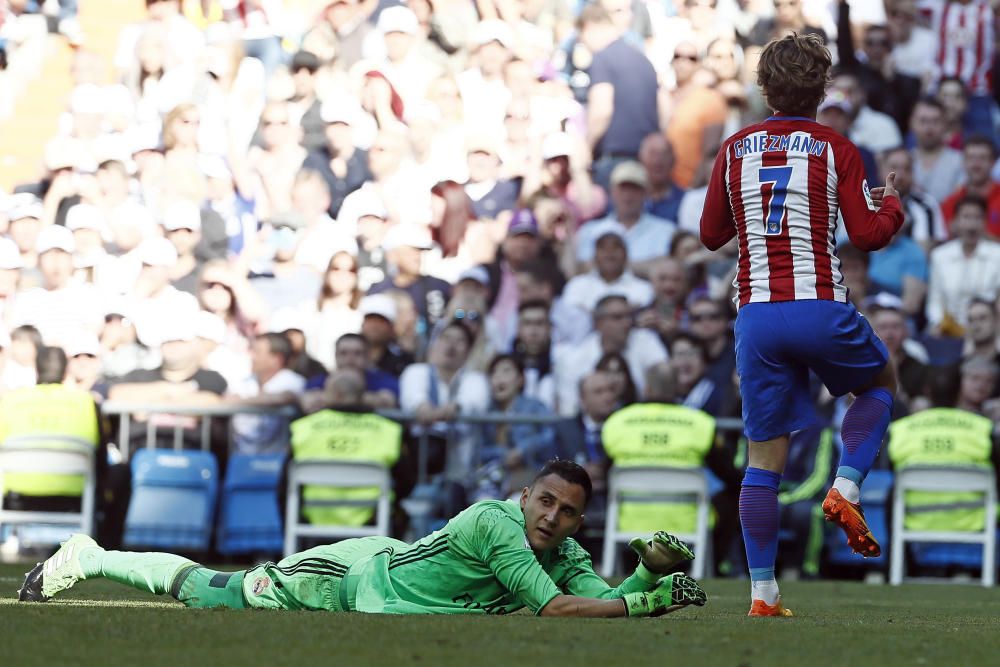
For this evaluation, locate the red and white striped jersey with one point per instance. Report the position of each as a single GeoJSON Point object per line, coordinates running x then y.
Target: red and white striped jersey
{"type": "Point", "coordinates": [965, 42]}
{"type": "Point", "coordinates": [777, 186]}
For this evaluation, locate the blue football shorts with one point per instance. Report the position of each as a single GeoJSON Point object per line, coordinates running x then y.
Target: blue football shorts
{"type": "Point", "coordinates": [777, 344]}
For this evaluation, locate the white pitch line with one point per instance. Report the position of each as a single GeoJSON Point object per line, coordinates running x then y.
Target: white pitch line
{"type": "Point", "coordinates": [124, 604]}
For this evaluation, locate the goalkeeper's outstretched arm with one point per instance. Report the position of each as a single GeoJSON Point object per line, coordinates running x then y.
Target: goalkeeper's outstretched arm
{"type": "Point", "coordinates": [581, 607]}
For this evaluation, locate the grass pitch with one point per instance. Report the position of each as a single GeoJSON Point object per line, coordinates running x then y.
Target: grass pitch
{"type": "Point", "coordinates": [102, 623]}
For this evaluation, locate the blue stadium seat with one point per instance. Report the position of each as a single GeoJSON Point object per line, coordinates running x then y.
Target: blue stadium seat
{"type": "Point", "coordinates": [173, 500]}
{"type": "Point", "coordinates": [249, 520]}
{"type": "Point", "coordinates": [966, 556]}
{"type": "Point", "coordinates": [876, 498]}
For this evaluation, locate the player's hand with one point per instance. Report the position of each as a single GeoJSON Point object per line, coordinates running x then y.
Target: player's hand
{"type": "Point", "coordinates": [671, 593]}
{"type": "Point", "coordinates": [889, 190]}
{"type": "Point", "coordinates": [662, 553]}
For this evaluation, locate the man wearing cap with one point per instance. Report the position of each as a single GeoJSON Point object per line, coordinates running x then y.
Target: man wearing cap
{"type": "Point", "coordinates": [83, 369]}
{"type": "Point", "coordinates": [646, 236]}
{"type": "Point", "coordinates": [154, 296]}
{"type": "Point", "coordinates": [121, 352]}
{"type": "Point", "coordinates": [60, 305]}
{"type": "Point", "coordinates": [482, 86]}
{"type": "Point", "coordinates": [621, 99]}
{"type": "Point", "coordinates": [490, 194]}
{"type": "Point", "coordinates": [371, 226]}
{"type": "Point", "coordinates": [90, 230]}
{"type": "Point", "coordinates": [399, 47]}
{"type": "Point", "coordinates": [836, 112]}
{"type": "Point", "coordinates": [279, 279]}
{"type": "Point", "coordinates": [292, 324]}
{"type": "Point", "coordinates": [521, 246]}
{"type": "Point", "coordinates": [179, 380]}
{"type": "Point", "coordinates": [343, 166]}
{"type": "Point", "coordinates": [565, 176]}
{"type": "Point", "coordinates": [211, 333]}
{"type": "Point", "coordinates": [610, 274]}
{"type": "Point", "coordinates": [182, 227]}
{"type": "Point", "coordinates": [379, 313]}
{"type": "Point", "coordinates": [887, 318]}
{"type": "Point", "coordinates": [25, 223]}
{"type": "Point", "coordinates": [230, 209]}
{"type": "Point", "coordinates": [404, 247]}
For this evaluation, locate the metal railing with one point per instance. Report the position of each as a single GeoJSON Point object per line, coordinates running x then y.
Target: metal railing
{"type": "Point", "coordinates": [125, 411]}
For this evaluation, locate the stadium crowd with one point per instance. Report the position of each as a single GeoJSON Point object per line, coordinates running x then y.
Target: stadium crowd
{"type": "Point", "coordinates": [455, 207]}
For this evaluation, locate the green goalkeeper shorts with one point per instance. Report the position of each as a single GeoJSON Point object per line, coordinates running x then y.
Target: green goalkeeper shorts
{"type": "Point", "coordinates": [315, 579]}
{"type": "Point", "coordinates": [203, 588]}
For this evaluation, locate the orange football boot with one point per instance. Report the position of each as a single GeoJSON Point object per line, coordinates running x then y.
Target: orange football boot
{"type": "Point", "coordinates": [851, 518]}
{"type": "Point", "coordinates": [761, 608]}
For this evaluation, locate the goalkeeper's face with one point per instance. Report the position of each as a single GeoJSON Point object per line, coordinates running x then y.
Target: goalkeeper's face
{"type": "Point", "coordinates": [553, 510]}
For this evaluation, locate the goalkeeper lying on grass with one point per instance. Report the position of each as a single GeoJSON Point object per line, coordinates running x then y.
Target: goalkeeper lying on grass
{"type": "Point", "coordinates": [494, 558]}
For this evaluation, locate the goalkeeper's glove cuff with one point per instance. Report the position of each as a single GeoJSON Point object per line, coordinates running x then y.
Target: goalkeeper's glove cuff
{"type": "Point", "coordinates": [646, 574]}
{"type": "Point", "coordinates": [636, 604]}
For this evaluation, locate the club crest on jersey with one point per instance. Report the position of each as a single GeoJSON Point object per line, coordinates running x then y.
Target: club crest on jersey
{"type": "Point", "coordinates": [868, 194]}
{"type": "Point", "coordinates": [260, 585]}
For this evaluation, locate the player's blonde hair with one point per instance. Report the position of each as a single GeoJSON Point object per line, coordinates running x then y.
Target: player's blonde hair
{"type": "Point", "coordinates": [794, 73]}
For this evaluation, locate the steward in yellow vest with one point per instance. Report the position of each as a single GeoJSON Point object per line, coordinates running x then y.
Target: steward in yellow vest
{"type": "Point", "coordinates": [343, 434]}
{"type": "Point", "coordinates": [942, 436]}
{"type": "Point", "coordinates": [49, 408]}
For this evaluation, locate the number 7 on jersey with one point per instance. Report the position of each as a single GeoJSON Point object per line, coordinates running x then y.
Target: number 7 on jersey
{"type": "Point", "coordinates": [778, 178]}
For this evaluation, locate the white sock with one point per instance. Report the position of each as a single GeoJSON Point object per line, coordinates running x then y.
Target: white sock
{"type": "Point", "coordinates": [766, 590]}
{"type": "Point", "coordinates": [850, 490]}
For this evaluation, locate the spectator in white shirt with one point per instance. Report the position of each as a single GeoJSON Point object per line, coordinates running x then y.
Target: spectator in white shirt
{"type": "Point", "coordinates": [153, 293]}
{"type": "Point", "coordinates": [59, 306]}
{"type": "Point", "coordinates": [610, 274]}
{"type": "Point", "coordinates": [646, 235]}
{"type": "Point", "coordinates": [613, 332]}
{"type": "Point", "coordinates": [22, 353]}
{"type": "Point", "coordinates": [440, 389]}
{"type": "Point", "coordinates": [10, 275]}
{"type": "Point", "coordinates": [271, 384]}
{"type": "Point", "coordinates": [966, 267]}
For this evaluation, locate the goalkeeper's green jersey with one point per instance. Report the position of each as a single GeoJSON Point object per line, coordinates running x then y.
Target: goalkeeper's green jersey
{"type": "Point", "coordinates": [479, 563]}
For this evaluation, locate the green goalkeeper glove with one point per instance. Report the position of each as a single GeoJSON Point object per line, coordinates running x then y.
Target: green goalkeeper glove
{"type": "Point", "coordinates": [671, 593]}
{"type": "Point", "coordinates": [661, 554]}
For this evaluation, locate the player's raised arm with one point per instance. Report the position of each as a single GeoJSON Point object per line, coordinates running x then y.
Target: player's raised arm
{"type": "Point", "coordinates": [871, 221]}
{"type": "Point", "coordinates": [717, 226]}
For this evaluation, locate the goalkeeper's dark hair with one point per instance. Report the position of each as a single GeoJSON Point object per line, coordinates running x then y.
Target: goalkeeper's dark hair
{"type": "Point", "coordinates": [793, 73]}
{"type": "Point", "coordinates": [569, 471]}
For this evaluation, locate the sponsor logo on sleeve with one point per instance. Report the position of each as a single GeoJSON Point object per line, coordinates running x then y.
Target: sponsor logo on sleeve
{"type": "Point", "coordinates": [868, 194]}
